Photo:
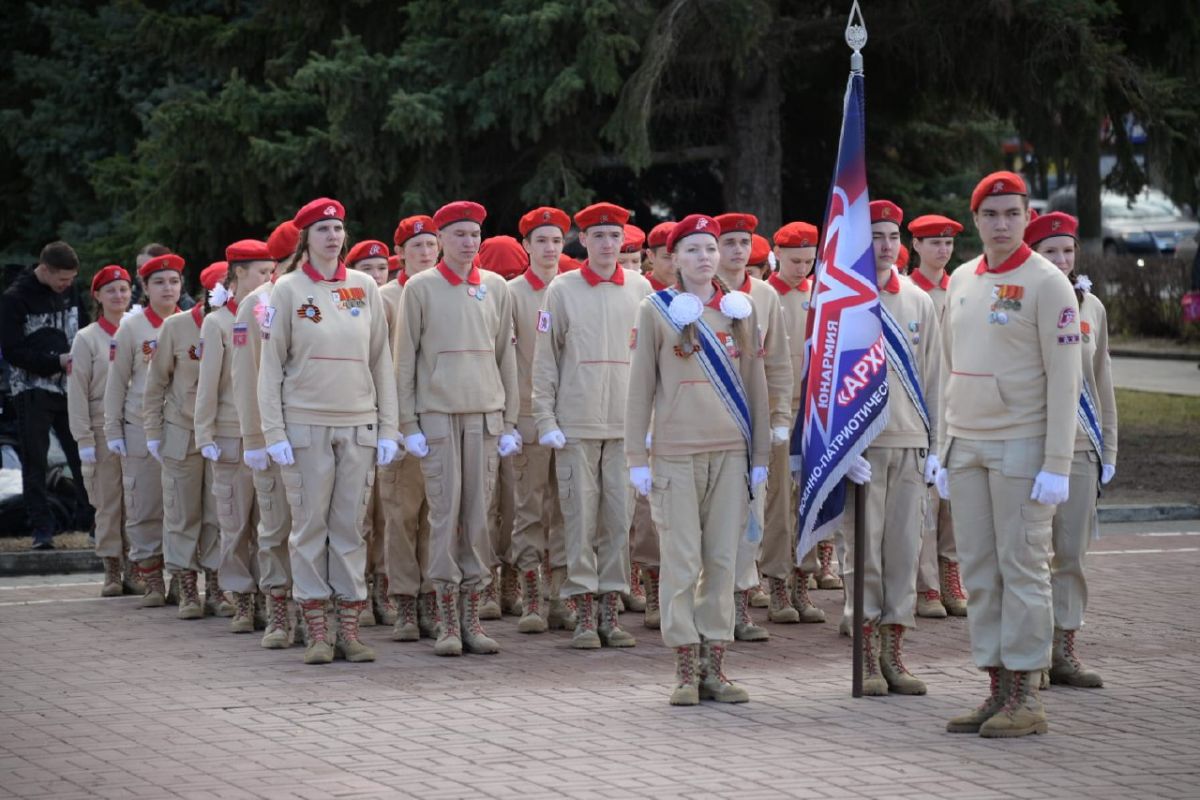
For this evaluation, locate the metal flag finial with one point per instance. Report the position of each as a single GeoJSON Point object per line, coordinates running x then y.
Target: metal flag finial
{"type": "Point", "coordinates": [856, 37]}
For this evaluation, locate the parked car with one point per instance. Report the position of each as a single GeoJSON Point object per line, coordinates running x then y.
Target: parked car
{"type": "Point", "coordinates": [1149, 224]}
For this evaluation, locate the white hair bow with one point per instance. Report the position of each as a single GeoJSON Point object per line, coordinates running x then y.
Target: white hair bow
{"type": "Point", "coordinates": [218, 296]}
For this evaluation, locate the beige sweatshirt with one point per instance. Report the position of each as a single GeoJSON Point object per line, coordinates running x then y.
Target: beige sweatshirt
{"type": "Point", "coordinates": [1011, 356]}
{"type": "Point", "coordinates": [581, 360]}
{"type": "Point", "coordinates": [528, 302]}
{"type": "Point", "coordinates": [91, 351]}
{"type": "Point", "coordinates": [1097, 373]}
{"type": "Point", "coordinates": [390, 294]}
{"type": "Point", "coordinates": [917, 315]}
{"type": "Point", "coordinates": [216, 413]}
{"type": "Point", "coordinates": [937, 293]}
{"type": "Point", "coordinates": [125, 386]}
{"type": "Point", "coordinates": [170, 394]}
{"type": "Point", "coordinates": [325, 356]}
{"type": "Point", "coordinates": [793, 315]}
{"type": "Point", "coordinates": [777, 359]}
{"type": "Point", "coordinates": [246, 345]}
{"type": "Point", "coordinates": [454, 348]}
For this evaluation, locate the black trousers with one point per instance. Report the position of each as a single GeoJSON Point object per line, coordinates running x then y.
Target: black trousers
{"type": "Point", "coordinates": [39, 412]}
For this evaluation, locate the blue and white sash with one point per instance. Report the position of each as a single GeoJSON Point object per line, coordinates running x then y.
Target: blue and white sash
{"type": "Point", "coordinates": [1089, 418]}
{"type": "Point", "coordinates": [903, 365]}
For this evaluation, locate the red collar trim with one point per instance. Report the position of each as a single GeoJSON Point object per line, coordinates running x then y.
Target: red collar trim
{"type": "Point", "coordinates": [745, 287]}
{"type": "Point", "coordinates": [452, 278]}
{"type": "Point", "coordinates": [107, 326]}
{"type": "Point", "coordinates": [654, 284]}
{"type": "Point", "coordinates": [231, 306]}
{"type": "Point", "coordinates": [537, 283]}
{"type": "Point", "coordinates": [402, 278]}
{"type": "Point", "coordinates": [1012, 262]}
{"type": "Point", "coordinates": [198, 314]}
{"type": "Point", "coordinates": [919, 279]}
{"type": "Point", "coordinates": [782, 286]}
{"type": "Point", "coordinates": [589, 275]}
{"type": "Point", "coordinates": [715, 301]}
{"type": "Point", "coordinates": [339, 274]}
{"type": "Point", "coordinates": [893, 284]}
{"type": "Point", "coordinates": [155, 320]}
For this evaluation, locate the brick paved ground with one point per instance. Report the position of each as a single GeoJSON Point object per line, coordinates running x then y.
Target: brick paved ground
{"type": "Point", "coordinates": [101, 699]}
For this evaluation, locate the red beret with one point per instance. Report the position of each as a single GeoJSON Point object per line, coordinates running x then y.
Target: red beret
{"type": "Point", "coordinates": [107, 275]}
{"type": "Point", "coordinates": [934, 225]}
{"type": "Point", "coordinates": [658, 234]}
{"type": "Point", "coordinates": [544, 215]}
{"type": "Point", "coordinates": [732, 223]}
{"type": "Point", "coordinates": [249, 250]}
{"type": "Point", "coordinates": [996, 184]}
{"type": "Point", "coordinates": [760, 250]}
{"type": "Point", "coordinates": [414, 226]}
{"type": "Point", "coordinates": [902, 257]}
{"type": "Point", "coordinates": [503, 255]}
{"type": "Point", "coordinates": [394, 263]}
{"type": "Point", "coordinates": [1056, 223]}
{"type": "Point", "coordinates": [317, 210]}
{"type": "Point", "coordinates": [283, 240]}
{"type": "Point", "coordinates": [634, 239]}
{"type": "Point", "coordinates": [213, 274]}
{"type": "Point", "coordinates": [459, 211]}
{"type": "Point", "coordinates": [691, 224]}
{"type": "Point", "coordinates": [170, 261]}
{"type": "Point", "coordinates": [886, 211]}
{"type": "Point", "coordinates": [368, 248]}
{"type": "Point", "coordinates": [601, 214]}
{"type": "Point", "coordinates": [566, 263]}
{"type": "Point", "coordinates": [797, 234]}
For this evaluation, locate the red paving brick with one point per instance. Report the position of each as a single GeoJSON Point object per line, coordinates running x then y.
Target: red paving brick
{"type": "Point", "coordinates": [101, 699]}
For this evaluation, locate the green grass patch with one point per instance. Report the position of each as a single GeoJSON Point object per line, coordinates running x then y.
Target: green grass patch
{"type": "Point", "coordinates": [1153, 409]}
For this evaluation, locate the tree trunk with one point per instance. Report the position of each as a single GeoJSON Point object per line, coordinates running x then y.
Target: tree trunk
{"type": "Point", "coordinates": [1086, 164]}
{"type": "Point", "coordinates": [753, 182]}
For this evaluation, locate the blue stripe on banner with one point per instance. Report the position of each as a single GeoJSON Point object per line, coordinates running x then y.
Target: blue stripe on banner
{"type": "Point", "coordinates": [901, 356]}
{"type": "Point", "coordinates": [1089, 418]}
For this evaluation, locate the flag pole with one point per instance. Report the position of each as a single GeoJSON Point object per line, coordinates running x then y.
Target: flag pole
{"type": "Point", "coordinates": [856, 38]}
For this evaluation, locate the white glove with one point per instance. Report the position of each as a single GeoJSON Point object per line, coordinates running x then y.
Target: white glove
{"type": "Point", "coordinates": [281, 453]}
{"type": "Point", "coordinates": [780, 435]}
{"type": "Point", "coordinates": [650, 440]}
{"type": "Point", "coordinates": [1050, 489]}
{"type": "Point", "coordinates": [1107, 472]}
{"type": "Point", "coordinates": [87, 455]}
{"type": "Point", "coordinates": [210, 452]}
{"type": "Point", "coordinates": [416, 445]}
{"type": "Point", "coordinates": [942, 482]}
{"type": "Point", "coordinates": [152, 446]}
{"type": "Point", "coordinates": [117, 446]}
{"type": "Point", "coordinates": [553, 439]}
{"type": "Point", "coordinates": [641, 479]}
{"type": "Point", "coordinates": [860, 471]}
{"type": "Point", "coordinates": [520, 440]}
{"type": "Point", "coordinates": [507, 445]}
{"type": "Point", "coordinates": [931, 468]}
{"type": "Point", "coordinates": [256, 460]}
{"type": "Point", "coordinates": [758, 476]}
{"type": "Point", "coordinates": [385, 451]}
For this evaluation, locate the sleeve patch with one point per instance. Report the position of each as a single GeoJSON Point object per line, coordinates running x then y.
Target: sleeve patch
{"type": "Point", "coordinates": [1066, 317]}
{"type": "Point", "coordinates": [1070, 338]}
{"type": "Point", "coordinates": [543, 322]}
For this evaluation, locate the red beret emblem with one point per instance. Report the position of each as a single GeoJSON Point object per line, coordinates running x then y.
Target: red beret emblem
{"type": "Point", "coordinates": [604, 217]}
{"type": "Point", "coordinates": [804, 241]}
{"type": "Point", "coordinates": [1055, 224]}
{"type": "Point", "coordinates": [701, 223]}
{"type": "Point", "coordinates": [375, 250]}
{"type": "Point", "coordinates": [947, 231]}
{"type": "Point", "coordinates": [887, 212]}
{"type": "Point", "coordinates": [997, 187]}
{"type": "Point", "coordinates": [545, 216]}
{"type": "Point", "coordinates": [330, 211]}
{"type": "Point", "coordinates": [418, 226]}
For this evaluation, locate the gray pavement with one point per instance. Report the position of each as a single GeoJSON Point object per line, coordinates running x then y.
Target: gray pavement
{"type": "Point", "coordinates": [1157, 375]}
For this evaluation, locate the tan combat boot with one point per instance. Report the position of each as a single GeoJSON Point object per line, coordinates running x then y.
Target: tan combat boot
{"type": "Point", "coordinates": [953, 596]}
{"type": "Point", "coordinates": [347, 645]}
{"type": "Point", "coordinates": [489, 603]}
{"type": "Point", "coordinates": [190, 606]}
{"type": "Point", "coordinates": [759, 598]}
{"type": "Point", "coordinates": [510, 591]}
{"type": "Point", "coordinates": [585, 636]}
{"type": "Point", "coordinates": [687, 681]}
{"type": "Point", "coordinates": [366, 615]}
{"type": "Point", "coordinates": [610, 631]}
{"type": "Point", "coordinates": [780, 609]}
{"type": "Point", "coordinates": [1022, 713]}
{"type": "Point", "coordinates": [112, 578]}
{"type": "Point", "coordinates": [532, 620]}
{"type": "Point", "coordinates": [997, 691]}
{"type": "Point", "coordinates": [474, 638]}
{"type": "Point", "coordinates": [827, 577]}
{"type": "Point", "coordinates": [243, 613]}
{"type": "Point", "coordinates": [278, 634]}
{"type": "Point", "coordinates": [744, 629]}
{"type": "Point", "coordinates": [1066, 668]}
{"type": "Point", "coordinates": [130, 580]}
{"type": "Point", "coordinates": [891, 662]}
{"type": "Point", "coordinates": [802, 602]}
{"type": "Point", "coordinates": [449, 640]}
{"type": "Point", "coordinates": [929, 604]}
{"type": "Point", "coordinates": [216, 604]}
{"type": "Point", "coordinates": [427, 615]}
{"type": "Point", "coordinates": [383, 601]}
{"type": "Point", "coordinates": [873, 684]}
{"type": "Point", "coordinates": [559, 616]}
{"type": "Point", "coordinates": [653, 618]}
{"type": "Point", "coordinates": [406, 627]}
{"type": "Point", "coordinates": [713, 683]}
{"type": "Point", "coordinates": [316, 626]}
{"type": "Point", "coordinates": [636, 599]}
{"type": "Point", "coordinates": [149, 572]}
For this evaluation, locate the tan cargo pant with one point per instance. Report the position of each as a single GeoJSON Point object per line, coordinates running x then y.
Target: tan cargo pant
{"type": "Point", "coordinates": [459, 473]}
{"type": "Point", "coordinates": [373, 531]}
{"type": "Point", "coordinates": [537, 517]}
{"type": "Point", "coordinates": [274, 529]}
{"type": "Point", "coordinates": [502, 511]}
{"type": "Point", "coordinates": [1004, 550]}
{"type": "Point", "coordinates": [895, 511]}
{"type": "Point", "coordinates": [700, 507]}
{"type": "Point", "coordinates": [1075, 524]}
{"type": "Point", "coordinates": [937, 541]}
{"type": "Point", "coordinates": [105, 490]}
{"type": "Point", "coordinates": [237, 515]}
{"type": "Point", "coordinates": [643, 537]}
{"type": "Point", "coordinates": [191, 535]}
{"type": "Point", "coordinates": [594, 491]}
{"type": "Point", "coordinates": [328, 489]}
{"type": "Point", "coordinates": [142, 484]}
{"type": "Point", "coordinates": [778, 557]}
{"type": "Point", "coordinates": [406, 526]}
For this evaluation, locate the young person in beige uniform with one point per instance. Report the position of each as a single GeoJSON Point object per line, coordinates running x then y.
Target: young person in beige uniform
{"type": "Point", "coordinates": [87, 370]}
{"type": "Point", "coordinates": [897, 469]}
{"type": "Point", "coordinates": [274, 515]}
{"type": "Point", "coordinates": [1011, 382]}
{"type": "Point", "coordinates": [538, 525]}
{"type": "Point", "coordinates": [1094, 465]}
{"type": "Point", "coordinates": [402, 484]}
{"type": "Point", "coordinates": [124, 431]}
{"type": "Point", "coordinates": [939, 588]}
{"type": "Point", "coordinates": [191, 535]}
{"type": "Point", "coordinates": [630, 256]}
{"type": "Point", "coordinates": [795, 253]}
{"type": "Point", "coordinates": [758, 265]}
{"type": "Point", "coordinates": [735, 243]}
{"type": "Point", "coordinates": [219, 434]}
{"type": "Point", "coordinates": [324, 328]}
{"type": "Point", "coordinates": [580, 374]}
{"type": "Point", "coordinates": [456, 374]}
{"type": "Point", "coordinates": [706, 460]}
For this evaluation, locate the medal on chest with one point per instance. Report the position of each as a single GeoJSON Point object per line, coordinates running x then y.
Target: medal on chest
{"type": "Point", "coordinates": [478, 292]}
{"type": "Point", "coordinates": [112, 349]}
{"type": "Point", "coordinates": [309, 311]}
{"type": "Point", "coordinates": [1085, 330]}
{"type": "Point", "coordinates": [1007, 297]}
{"type": "Point", "coordinates": [350, 298]}
{"type": "Point", "coordinates": [149, 346]}
{"type": "Point", "coordinates": [729, 343]}
{"type": "Point", "coordinates": [196, 351]}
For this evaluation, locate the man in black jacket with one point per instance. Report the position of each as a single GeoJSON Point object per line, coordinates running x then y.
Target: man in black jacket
{"type": "Point", "coordinates": [39, 316]}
